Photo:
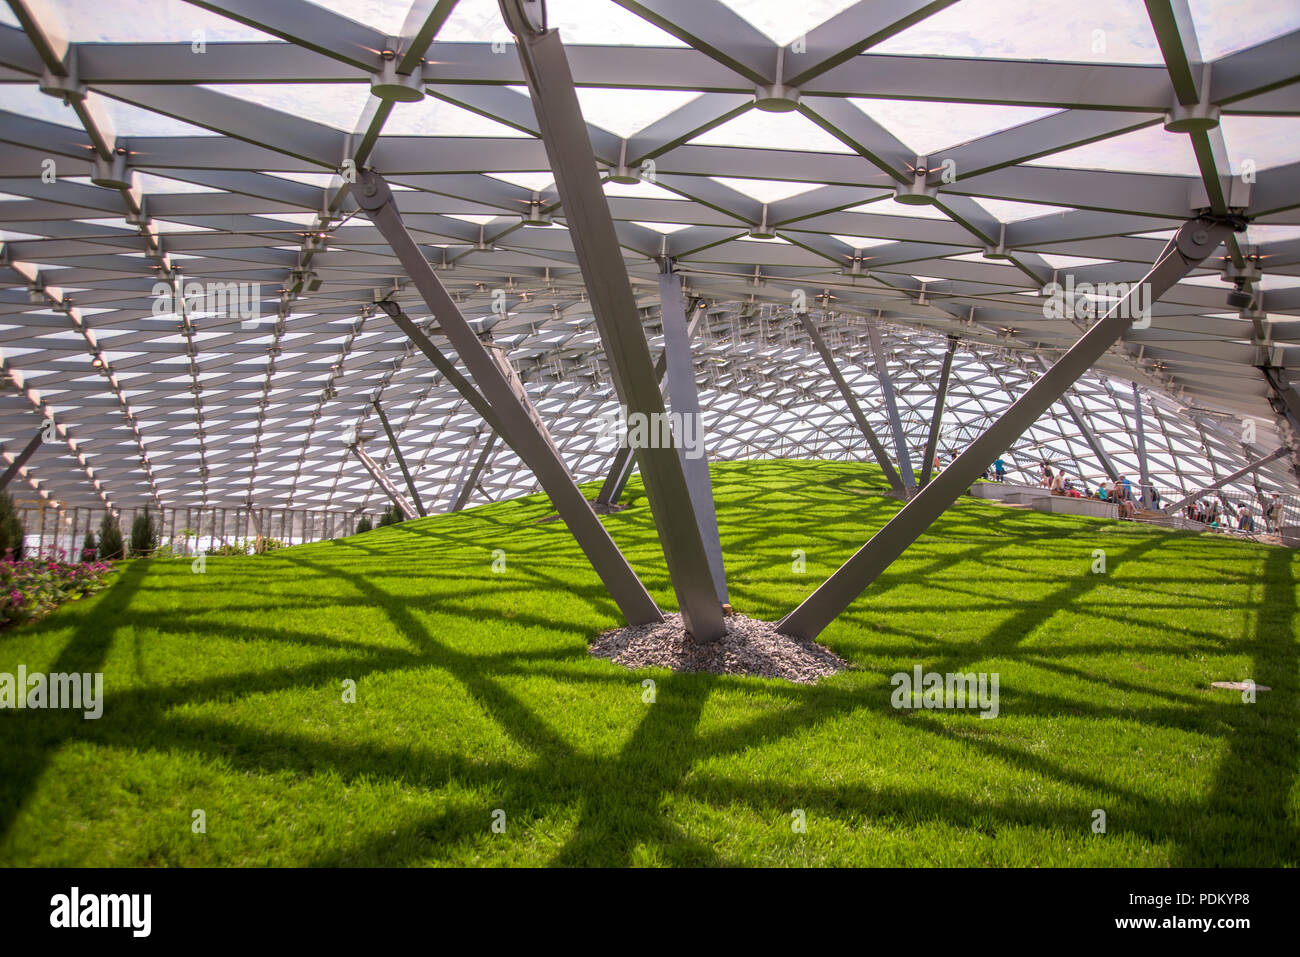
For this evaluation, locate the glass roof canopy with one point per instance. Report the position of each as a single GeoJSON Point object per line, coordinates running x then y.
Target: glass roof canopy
{"type": "Point", "coordinates": [200, 144]}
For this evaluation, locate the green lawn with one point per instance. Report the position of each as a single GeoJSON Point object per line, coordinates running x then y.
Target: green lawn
{"type": "Point", "coordinates": [474, 692]}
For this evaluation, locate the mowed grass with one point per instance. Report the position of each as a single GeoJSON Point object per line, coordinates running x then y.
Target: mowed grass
{"type": "Point", "coordinates": [475, 695]}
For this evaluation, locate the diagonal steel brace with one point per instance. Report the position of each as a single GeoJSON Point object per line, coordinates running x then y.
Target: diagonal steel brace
{"type": "Point", "coordinates": [596, 246]}
{"type": "Point", "coordinates": [1190, 246]}
{"type": "Point", "coordinates": [501, 406]}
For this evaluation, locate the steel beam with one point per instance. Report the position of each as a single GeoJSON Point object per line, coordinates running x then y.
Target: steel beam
{"type": "Point", "coordinates": [28, 451]}
{"type": "Point", "coordinates": [511, 375]}
{"type": "Point", "coordinates": [1248, 73]}
{"type": "Point", "coordinates": [863, 25]}
{"type": "Point", "coordinates": [47, 32]}
{"type": "Point", "coordinates": [1176, 34]}
{"type": "Point", "coordinates": [1228, 479]}
{"type": "Point", "coordinates": [597, 249]}
{"type": "Point", "coordinates": [1175, 31]}
{"type": "Point", "coordinates": [1214, 467]}
{"type": "Point", "coordinates": [467, 457]}
{"type": "Point", "coordinates": [891, 409]}
{"type": "Point", "coordinates": [1260, 497]}
{"type": "Point", "coordinates": [1088, 437]}
{"type": "Point", "coordinates": [306, 25]}
{"type": "Point", "coordinates": [1229, 508]}
{"type": "Point", "coordinates": [932, 440]}
{"type": "Point", "coordinates": [1254, 475]}
{"type": "Point", "coordinates": [397, 454]}
{"type": "Point", "coordinates": [713, 29]}
{"type": "Point", "coordinates": [502, 408]}
{"type": "Point", "coordinates": [1189, 247]}
{"type": "Point", "coordinates": [1144, 477]}
{"type": "Point", "coordinates": [685, 398]}
{"type": "Point", "coordinates": [470, 477]}
{"type": "Point", "coordinates": [440, 362]}
{"type": "Point", "coordinates": [382, 480]}
{"type": "Point", "coordinates": [1285, 399]}
{"type": "Point", "coordinates": [878, 450]}
{"type": "Point", "coordinates": [620, 470]}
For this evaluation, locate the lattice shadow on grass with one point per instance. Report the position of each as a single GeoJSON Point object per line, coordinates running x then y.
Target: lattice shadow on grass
{"type": "Point", "coordinates": [624, 810]}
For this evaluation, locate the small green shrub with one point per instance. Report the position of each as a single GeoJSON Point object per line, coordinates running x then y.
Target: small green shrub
{"type": "Point", "coordinates": [144, 534]}
{"type": "Point", "coordinates": [11, 528]}
{"type": "Point", "coordinates": [246, 546]}
{"type": "Point", "coordinates": [363, 525]}
{"type": "Point", "coordinates": [392, 515]}
{"type": "Point", "coordinates": [88, 547]}
{"type": "Point", "coordinates": [110, 539]}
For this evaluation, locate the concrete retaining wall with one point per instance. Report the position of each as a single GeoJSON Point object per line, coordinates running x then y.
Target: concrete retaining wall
{"type": "Point", "coordinates": [1069, 505]}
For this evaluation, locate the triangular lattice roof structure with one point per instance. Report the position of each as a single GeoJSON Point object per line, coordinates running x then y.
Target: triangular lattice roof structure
{"type": "Point", "coordinates": [208, 143]}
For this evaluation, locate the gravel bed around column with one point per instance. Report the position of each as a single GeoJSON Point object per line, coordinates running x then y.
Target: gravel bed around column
{"type": "Point", "coordinates": [750, 647]}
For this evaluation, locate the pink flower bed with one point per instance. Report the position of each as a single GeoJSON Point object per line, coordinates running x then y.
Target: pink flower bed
{"type": "Point", "coordinates": [32, 587]}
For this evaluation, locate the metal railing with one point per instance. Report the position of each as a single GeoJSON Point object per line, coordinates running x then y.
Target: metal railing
{"type": "Point", "coordinates": [53, 533]}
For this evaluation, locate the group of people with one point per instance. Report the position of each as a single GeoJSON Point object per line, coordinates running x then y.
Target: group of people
{"type": "Point", "coordinates": [1120, 491]}
{"type": "Point", "coordinates": [1209, 511]}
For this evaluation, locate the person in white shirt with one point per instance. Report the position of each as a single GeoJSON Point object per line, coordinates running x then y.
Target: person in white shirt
{"type": "Point", "coordinates": [1273, 514]}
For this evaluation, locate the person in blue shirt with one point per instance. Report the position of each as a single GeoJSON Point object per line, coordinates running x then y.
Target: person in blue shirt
{"type": "Point", "coordinates": [1000, 470]}
{"type": "Point", "coordinates": [1128, 488]}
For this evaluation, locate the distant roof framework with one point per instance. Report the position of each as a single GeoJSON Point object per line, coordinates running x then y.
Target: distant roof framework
{"type": "Point", "coordinates": [934, 195]}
